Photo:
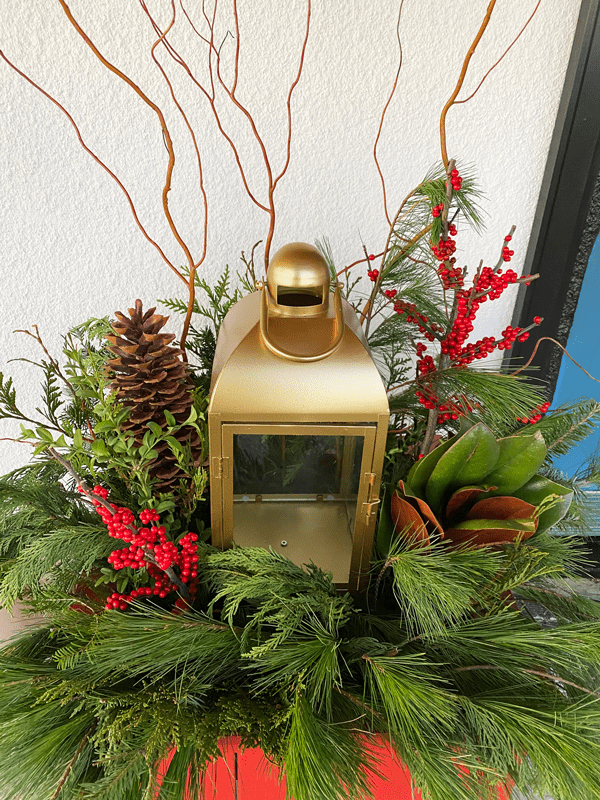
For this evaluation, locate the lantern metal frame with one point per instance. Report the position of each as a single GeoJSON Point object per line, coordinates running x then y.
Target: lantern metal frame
{"type": "Point", "coordinates": [311, 374]}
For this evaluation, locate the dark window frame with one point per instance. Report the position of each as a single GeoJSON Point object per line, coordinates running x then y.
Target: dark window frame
{"type": "Point", "coordinates": [567, 219]}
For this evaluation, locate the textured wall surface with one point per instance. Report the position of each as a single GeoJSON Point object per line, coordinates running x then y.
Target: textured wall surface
{"type": "Point", "coordinates": [69, 247]}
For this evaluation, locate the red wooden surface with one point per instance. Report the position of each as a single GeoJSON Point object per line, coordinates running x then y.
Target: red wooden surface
{"type": "Point", "coordinates": [248, 775]}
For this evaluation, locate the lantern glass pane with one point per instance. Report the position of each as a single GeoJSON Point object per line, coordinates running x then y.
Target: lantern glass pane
{"type": "Point", "coordinates": [298, 494]}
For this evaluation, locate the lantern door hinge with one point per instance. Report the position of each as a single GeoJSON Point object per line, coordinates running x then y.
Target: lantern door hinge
{"type": "Point", "coordinates": [220, 467]}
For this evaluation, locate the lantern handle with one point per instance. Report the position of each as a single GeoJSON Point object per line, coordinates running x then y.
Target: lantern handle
{"type": "Point", "coordinates": [279, 351]}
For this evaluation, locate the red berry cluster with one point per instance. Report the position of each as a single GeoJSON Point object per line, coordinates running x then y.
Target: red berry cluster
{"type": "Point", "coordinates": [538, 413]}
{"type": "Point", "coordinates": [391, 293]}
{"type": "Point", "coordinates": [450, 409]}
{"type": "Point", "coordinates": [148, 548]}
{"type": "Point", "coordinates": [371, 257]}
{"type": "Point", "coordinates": [493, 283]}
{"type": "Point", "coordinates": [419, 319]}
{"type": "Point", "coordinates": [507, 254]}
{"type": "Point", "coordinates": [373, 274]}
{"type": "Point", "coordinates": [510, 334]}
{"type": "Point", "coordinates": [437, 210]}
{"type": "Point", "coordinates": [456, 180]}
{"type": "Point", "coordinates": [452, 277]}
{"type": "Point", "coordinates": [425, 365]}
{"type": "Point", "coordinates": [444, 249]}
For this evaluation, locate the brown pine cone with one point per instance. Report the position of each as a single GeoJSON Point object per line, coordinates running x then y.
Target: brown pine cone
{"type": "Point", "coordinates": [150, 377]}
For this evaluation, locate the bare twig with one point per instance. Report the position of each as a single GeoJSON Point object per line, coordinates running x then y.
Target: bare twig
{"type": "Point", "coordinates": [100, 162]}
{"type": "Point", "coordinates": [540, 673]}
{"type": "Point", "coordinates": [550, 339]}
{"type": "Point", "coordinates": [51, 359]}
{"type": "Point", "coordinates": [460, 81]}
{"type": "Point", "coordinates": [514, 41]}
{"type": "Point", "coordinates": [384, 112]}
{"type": "Point", "coordinates": [71, 763]}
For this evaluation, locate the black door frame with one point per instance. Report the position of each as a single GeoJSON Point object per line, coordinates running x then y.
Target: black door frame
{"type": "Point", "coordinates": [567, 219]}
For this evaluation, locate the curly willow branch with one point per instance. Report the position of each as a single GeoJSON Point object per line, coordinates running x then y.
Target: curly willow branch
{"type": "Point", "coordinates": [192, 273]}
{"type": "Point", "coordinates": [514, 41]}
{"type": "Point", "coordinates": [382, 119]}
{"type": "Point", "coordinates": [550, 339]}
{"type": "Point", "coordinates": [98, 161]}
{"type": "Point", "coordinates": [460, 81]}
{"type": "Point", "coordinates": [166, 134]}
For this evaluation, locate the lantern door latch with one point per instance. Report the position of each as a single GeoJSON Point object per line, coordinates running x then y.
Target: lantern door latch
{"type": "Point", "coordinates": [372, 503]}
{"type": "Point", "coordinates": [219, 467]}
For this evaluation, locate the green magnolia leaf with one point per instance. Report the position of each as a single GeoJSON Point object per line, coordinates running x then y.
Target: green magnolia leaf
{"type": "Point", "coordinates": [385, 524]}
{"type": "Point", "coordinates": [466, 462]}
{"type": "Point", "coordinates": [538, 489]}
{"type": "Point", "coordinates": [78, 439]}
{"type": "Point", "coordinates": [27, 433]}
{"type": "Point", "coordinates": [421, 470]}
{"type": "Point", "coordinates": [526, 525]}
{"type": "Point", "coordinates": [519, 459]}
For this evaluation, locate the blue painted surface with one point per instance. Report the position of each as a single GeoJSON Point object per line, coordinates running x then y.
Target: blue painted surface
{"type": "Point", "coordinates": [584, 347]}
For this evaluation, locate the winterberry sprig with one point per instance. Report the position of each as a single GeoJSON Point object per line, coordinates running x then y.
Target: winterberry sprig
{"type": "Point", "coordinates": [148, 548]}
{"type": "Point", "coordinates": [536, 415]}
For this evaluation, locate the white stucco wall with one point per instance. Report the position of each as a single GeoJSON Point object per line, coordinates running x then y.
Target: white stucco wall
{"type": "Point", "coordinates": [69, 248]}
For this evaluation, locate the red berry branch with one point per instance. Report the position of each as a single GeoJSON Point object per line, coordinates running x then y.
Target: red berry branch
{"type": "Point", "coordinates": [143, 550]}
{"type": "Point", "coordinates": [148, 548]}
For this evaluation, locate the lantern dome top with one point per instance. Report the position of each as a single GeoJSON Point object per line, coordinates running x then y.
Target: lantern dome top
{"type": "Point", "coordinates": [298, 275]}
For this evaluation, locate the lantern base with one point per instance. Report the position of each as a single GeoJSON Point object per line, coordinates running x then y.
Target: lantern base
{"type": "Point", "coordinates": [312, 531]}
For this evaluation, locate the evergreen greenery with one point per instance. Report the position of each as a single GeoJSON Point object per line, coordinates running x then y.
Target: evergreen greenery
{"type": "Point", "coordinates": [440, 660]}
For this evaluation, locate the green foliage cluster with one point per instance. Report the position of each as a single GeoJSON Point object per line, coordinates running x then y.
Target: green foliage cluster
{"type": "Point", "coordinates": [467, 690]}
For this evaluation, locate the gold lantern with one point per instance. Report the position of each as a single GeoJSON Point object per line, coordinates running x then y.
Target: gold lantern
{"type": "Point", "coordinates": [298, 419]}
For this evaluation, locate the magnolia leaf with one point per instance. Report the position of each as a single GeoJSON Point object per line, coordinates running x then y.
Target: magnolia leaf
{"type": "Point", "coordinates": [421, 470]}
{"type": "Point", "coordinates": [78, 439]}
{"type": "Point", "coordinates": [433, 526]}
{"type": "Point", "coordinates": [385, 525]}
{"type": "Point", "coordinates": [487, 532]}
{"type": "Point", "coordinates": [463, 499]}
{"type": "Point", "coordinates": [536, 490]}
{"type": "Point", "coordinates": [466, 462]}
{"type": "Point", "coordinates": [501, 508]}
{"type": "Point", "coordinates": [27, 433]}
{"type": "Point", "coordinates": [407, 521]}
{"type": "Point", "coordinates": [518, 525]}
{"type": "Point", "coordinates": [520, 458]}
